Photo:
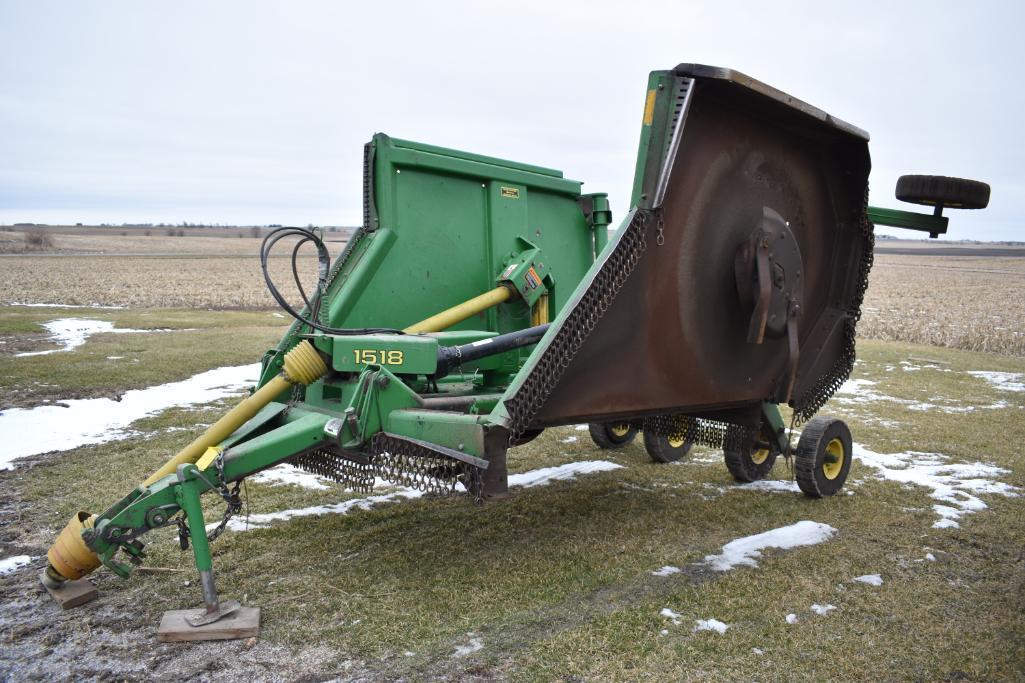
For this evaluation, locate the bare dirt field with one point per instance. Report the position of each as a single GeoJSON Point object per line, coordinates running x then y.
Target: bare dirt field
{"type": "Point", "coordinates": [959, 296]}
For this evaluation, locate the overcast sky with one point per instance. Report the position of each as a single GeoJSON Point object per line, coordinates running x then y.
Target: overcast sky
{"type": "Point", "coordinates": [256, 112]}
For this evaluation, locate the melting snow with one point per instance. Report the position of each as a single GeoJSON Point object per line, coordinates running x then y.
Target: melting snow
{"type": "Point", "coordinates": [98, 420]}
{"type": "Point", "coordinates": [744, 551]}
{"type": "Point", "coordinates": [930, 557]}
{"type": "Point", "coordinates": [670, 614]}
{"type": "Point", "coordinates": [710, 625]}
{"type": "Point", "coordinates": [791, 618]}
{"type": "Point", "coordinates": [770, 486]}
{"type": "Point", "coordinates": [72, 332]}
{"type": "Point", "coordinates": [569, 439]}
{"type": "Point", "coordinates": [667, 570]}
{"type": "Point", "coordinates": [9, 564]}
{"type": "Point", "coordinates": [581, 428]}
{"type": "Point", "coordinates": [546, 475]}
{"type": "Point", "coordinates": [529, 479]}
{"type": "Point", "coordinates": [822, 610]}
{"type": "Point", "coordinates": [1005, 381]}
{"type": "Point", "coordinates": [858, 391]}
{"type": "Point", "coordinates": [956, 486]}
{"type": "Point", "coordinates": [290, 474]}
{"type": "Point", "coordinates": [870, 579]}
{"type": "Point", "coordinates": [474, 645]}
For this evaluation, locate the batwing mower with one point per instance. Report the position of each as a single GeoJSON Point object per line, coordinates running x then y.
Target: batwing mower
{"type": "Point", "coordinates": [732, 285]}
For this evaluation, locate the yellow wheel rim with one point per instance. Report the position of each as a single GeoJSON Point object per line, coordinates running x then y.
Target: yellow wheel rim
{"type": "Point", "coordinates": [676, 443]}
{"type": "Point", "coordinates": [760, 456]}
{"type": "Point", "coordinates": [832, 459]}
{"type": "Point", "coordinates": [620, 430]}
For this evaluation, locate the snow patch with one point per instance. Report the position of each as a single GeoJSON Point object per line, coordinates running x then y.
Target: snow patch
{"type": "Point", "coordinates": [710, 625]}
{"type": "Point", "coordinates": [581, 428]}
{"type": "Point", "coordinates": [71, 333]}
{"type": "Point", "coordinates": [539, 477]}
{"type": "Point", "coordinates": [770, 486]}
{"type": "Point", "coordinates": [822, 610]}
{"type": "Point", "coordinates": [791, 618]}
{"type": "Point", "coordinates": [546, 475]}
{"type": "Point", "coordinates": [1004, 381]}
{"type": "Point", "coordinates": [870, 579]}
{"type": "Point", "coordinates": [285, 474]}
{"type": "Point", "coordinates": [667, 570]}
{"type": "Point", "coordinates": [569, 439]}
{"type": "Point", "coordinates": [99, 420]}
{"type": "Point", "coordinates": [9, 564]}
{"type": "Point", "coordinates": [670, 614]}
{"type": "Point", "coordinates": [474, 645]}
{"type": "Point", "coordinates": [858, 392]}
{"type": "Point", "coordinates": [745, 551]}
{"type": "Point", "coordinates": [956, 486]}
{"type": "Point", "coordinates": [930, 557]}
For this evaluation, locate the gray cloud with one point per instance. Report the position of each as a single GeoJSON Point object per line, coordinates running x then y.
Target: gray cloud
{"type": "Point", "coordinates": [257, 112]}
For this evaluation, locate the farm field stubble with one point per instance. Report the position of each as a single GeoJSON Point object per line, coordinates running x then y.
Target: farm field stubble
{"type": "Point", "coordinates": [965, 301]}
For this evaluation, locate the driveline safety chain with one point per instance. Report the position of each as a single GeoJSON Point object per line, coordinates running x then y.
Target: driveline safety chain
{"type": "Point", "coordinates": [613, 274]}
{"type": "Point", "coordinates": [809, 403]}
{"type": "Point", "coordinates": [232, 499]}
{"type": "Point", "coordinates": [232, 505]}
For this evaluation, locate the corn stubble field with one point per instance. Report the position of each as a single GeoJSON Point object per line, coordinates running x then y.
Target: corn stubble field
{"type": "Point", "coordinates": [603, 577]}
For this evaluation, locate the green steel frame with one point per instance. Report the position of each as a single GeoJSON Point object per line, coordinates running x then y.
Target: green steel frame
{"type": "Point", "coordinates": [441, 227]}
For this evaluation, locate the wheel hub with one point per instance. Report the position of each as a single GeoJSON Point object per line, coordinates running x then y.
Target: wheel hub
{"type": "Point", "coordinates": [832, 459]}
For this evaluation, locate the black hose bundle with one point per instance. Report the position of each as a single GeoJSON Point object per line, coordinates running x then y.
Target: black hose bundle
{"type": "Point", "coordinates": [323, 269]}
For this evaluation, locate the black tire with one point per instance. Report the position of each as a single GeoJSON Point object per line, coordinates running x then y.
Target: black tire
{"type": "Point", "coordinates": [612, 435]}
{"type": "Point", "coordinates": [663, 449]}
{"type": "Point", "coordinates": [823, 457]}
{"type": "Point", "coordinates": [526, 436]}
{"type": "Point", "coordinates": [938, 190]}
{"type": "Point", "coordinates": [750, 464]}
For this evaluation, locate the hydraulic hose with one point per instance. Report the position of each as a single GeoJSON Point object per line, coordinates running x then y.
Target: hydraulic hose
{"type": "Point", "coordinates": [323, 270]}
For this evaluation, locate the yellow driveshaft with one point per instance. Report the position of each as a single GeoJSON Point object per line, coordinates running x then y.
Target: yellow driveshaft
{"type": "Point", "coordinates": [460, 312]}
{"type": "Point", "coordinates": [70, 558]}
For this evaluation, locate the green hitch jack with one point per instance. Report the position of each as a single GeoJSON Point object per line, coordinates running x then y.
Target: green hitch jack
{"type": "Point", "coordinates": [216, 620]}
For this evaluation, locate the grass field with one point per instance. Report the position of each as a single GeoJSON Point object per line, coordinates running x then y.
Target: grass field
{"type": "Point", "coordinates": [558, 582]}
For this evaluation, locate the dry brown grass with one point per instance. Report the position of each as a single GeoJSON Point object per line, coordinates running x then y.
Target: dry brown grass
{"type": "Point", "coordinates": [956, 301]}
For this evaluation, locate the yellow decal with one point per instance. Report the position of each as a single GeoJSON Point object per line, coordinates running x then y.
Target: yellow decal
{"type": "Point", "coordinates": [510, 192]}
{"type": "Point", "coordinates": [208, 457]}
{"type": "Point", "coordinates": [649, 108]}
{"type": "Point", "coordinates": [375, 357]}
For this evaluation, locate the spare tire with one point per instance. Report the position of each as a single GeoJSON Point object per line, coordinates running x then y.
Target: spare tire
{"type": "Point", "coordinates": [938, 190]}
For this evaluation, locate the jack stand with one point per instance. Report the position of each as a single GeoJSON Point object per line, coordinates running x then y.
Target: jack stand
{"type": "Point", "coordinates": [217, 620]}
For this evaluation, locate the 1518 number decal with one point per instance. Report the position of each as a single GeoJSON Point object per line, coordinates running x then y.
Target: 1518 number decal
{"type": "Point", "coordinates": [375, 357]}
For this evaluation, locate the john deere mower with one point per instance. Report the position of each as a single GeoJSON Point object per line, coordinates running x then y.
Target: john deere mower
{"type": "Point", "coordinates": [483, 301]}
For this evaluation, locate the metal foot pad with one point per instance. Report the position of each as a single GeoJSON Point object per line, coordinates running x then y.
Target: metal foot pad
{"type": "Point", "coordinates": [202, 617]}
{"type": "Point", "coordinates": [243, 622]}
